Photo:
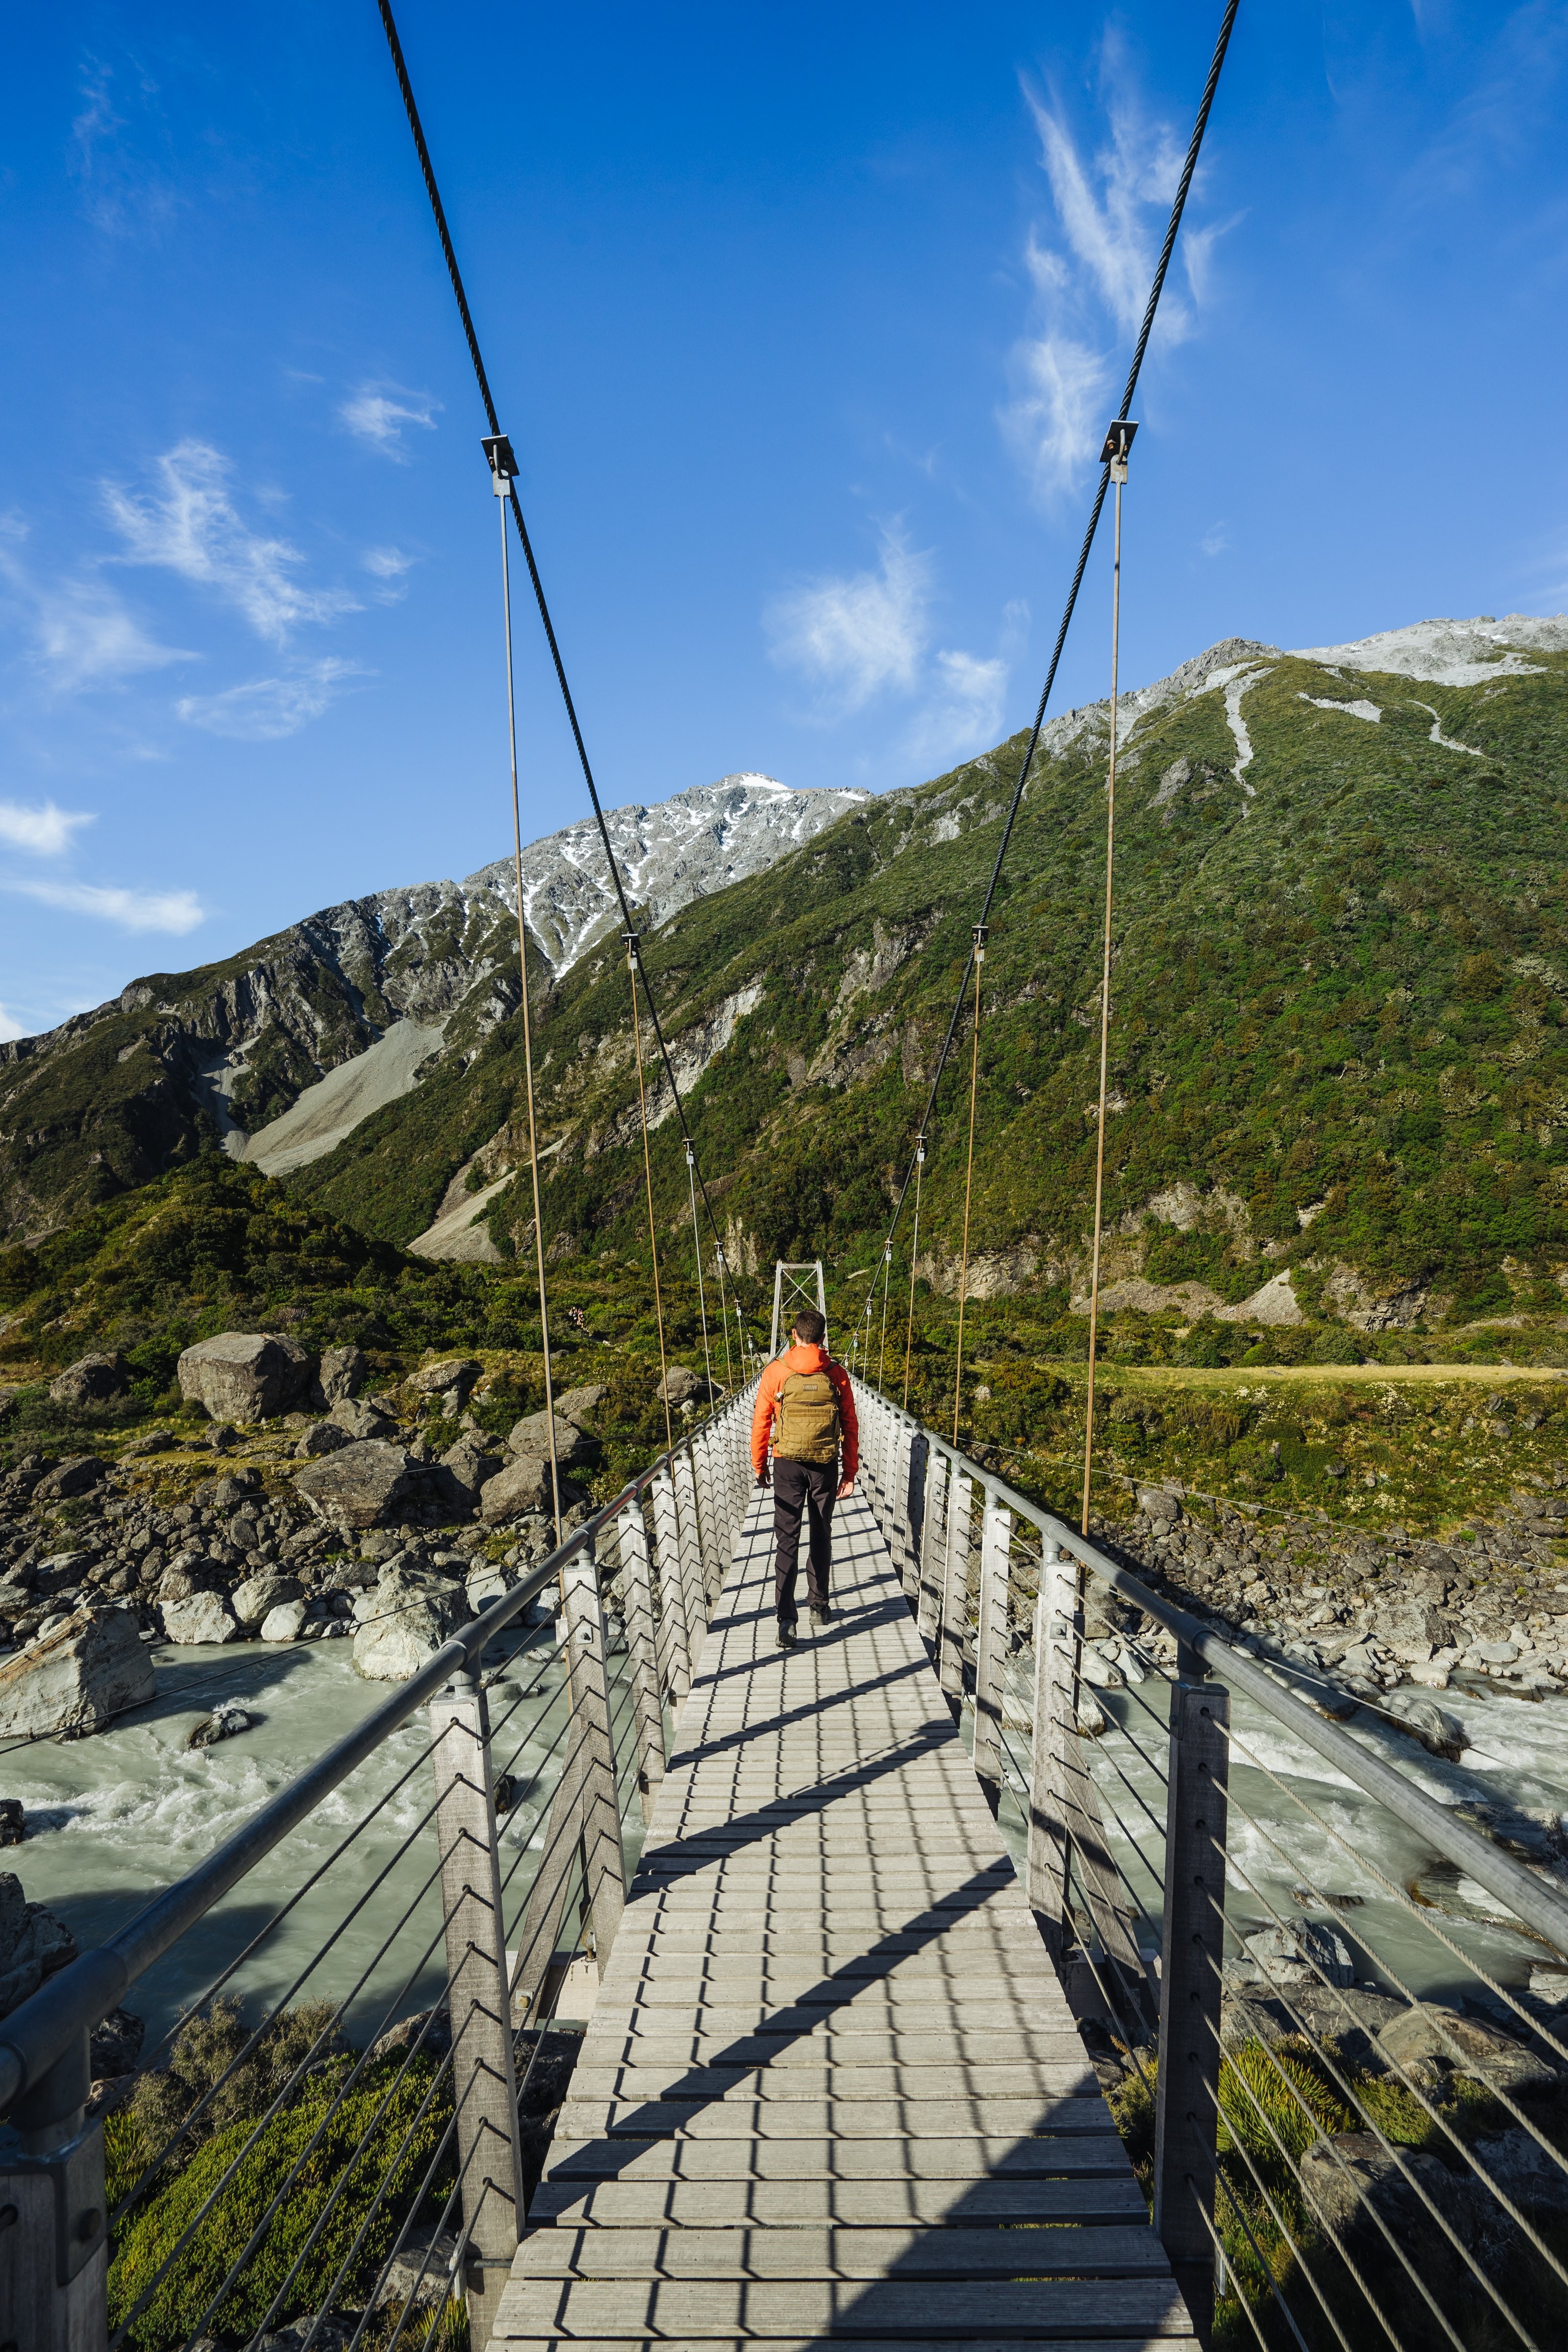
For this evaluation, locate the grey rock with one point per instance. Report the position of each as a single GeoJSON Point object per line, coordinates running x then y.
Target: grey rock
{"type": "Point", "coordinates": [184, 1579]}
{"type": "Point", "coordinates": [1526, 2173]}
{"type": "Point", "coordinates": [341, 1375]}
{"type": "Point", "coordinates": [223, 1494]}
{"type": "Point", "coordinates": [1440, 1733]}
{"type": "Point", "coordinates": [530, 1437]}
{"type": "Point", "coordinates": [518, 1490]}
{"type": "Point", "coordinates": [1412, 1619]}
{"type": "Point", "coordinates": [92, 1379]}
{"type": "Point", "coordinates": [227, 1720]}
{"type": "Point", "coordinates": [117, 2041]}
{"type": "Point", "coordinates": [681, 1385]}
{"type": "Point", "coordinates": [76, 1679]}
{"type": "Point", "coordinates": [576, 1405]}
{"type": "Point", "coordinates": [323, 2333]}
{"type": "Point", "coordinates": [243, 1375]}
{"type": "Point", "coordinates": [33, 1943]}
{"type": "Point", "coordinates": [203, 1617]}
{"type": "Point", "coordinates": [1289, 1957]}
{"type": "Point", "coordinates": [62, 1571]}
{"type": "Point", "coordinates": [362, 1485]}
{"type": "Point", "coordinates": [77, 1474]}
{"type": "Point", "coordinates": [156, 1441]}
{"type": "Point", "coordinates": [286, 1623]}
{"type": "Point", "coordinates": [1353, 2183]}
{"type": "Point", "coordinates": [412, 1614]}
{"type": "Point", "coordinates": [266, 1591]}
{"type": "Point", "coordinates": [422, 2271]}
{"type": "Point", "coordinates": [13, 1821]}
{"type": "Point", "coordinates": [470, 1464]}
{"type": "Point", "coordinates": [318, 1437]}
{"type": "Point", "coordinates": [454, 1373]}
{"type": "Point", "coordinates": [358, 1418]}
{"type": "Point", "coordinates": [1430, 2043]}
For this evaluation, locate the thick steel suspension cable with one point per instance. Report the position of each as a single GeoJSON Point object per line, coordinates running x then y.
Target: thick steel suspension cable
{"type": "Point", "coordinates": [914, 1253]}
{"type": "Point", "coordinates": [1156, 288]}
{"type": "Point", "coordinates": [449, 255]}
{"type": "Point", "coordinates": [1119, 472]}
{"type": "Point", "coordinates": [527, 1021]}
{"type": "Point", "coordinates": [978, 959]}
{"type": "Point", "coordinates": [632, 968]}
{"type": "Point", "coordinates": [697, 1247]}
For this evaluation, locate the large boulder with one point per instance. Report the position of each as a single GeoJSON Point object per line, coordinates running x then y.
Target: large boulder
{"type": "Point", "coordinates": [524, 1487]}
{"type": "Point", "coordinates": [412, 1613]}
{"type": "Point", "coordinates": [203, 1617]}
{"type": "Point", "coordinates": [33, 1943]}
{"type": "Point", "coordinates": [321, 1437]}
{"type": "Point", "coordinates": [1430, 2043]}
{"type": "Point", "coordinates": [92, 1379]}
{"type": "Point", "coordinates": [76, 1679]}
{"type": "Point", "coordinates": [341, 1375]}
{"type": "Point", "coordinates": [269, 1589]}
{"type": "Point", "coordinates": [681, 1385]}
{"type": "Point", "coordinates": [77, 1474]}
{"type": "Point", "coordinates": [284, 1623]}
{"type": "Point", "coordinates": [243, 1375]}
{"type": "Point", "coordinates": [470, 1466]}
{"type": "Point", "coordinates": [576, 1405]}
{"type": "Point", "coordinates": [531, 1436]}
{"type": "Point", "coordinates": [361, 1486]}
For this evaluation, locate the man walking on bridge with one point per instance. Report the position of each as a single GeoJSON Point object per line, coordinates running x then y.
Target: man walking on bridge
{"type": "Point", "coordinates": [806, 1403]}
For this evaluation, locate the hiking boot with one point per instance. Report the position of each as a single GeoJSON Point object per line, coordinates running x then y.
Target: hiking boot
{"type": "Point", "coordinates": [820, 1613]}
{"type": "Point", "coordinates": [786, 1635]}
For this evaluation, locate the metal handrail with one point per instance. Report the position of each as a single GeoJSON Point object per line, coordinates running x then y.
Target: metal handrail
{"type": "Point", "coordinates": [38, 2033]}
{"type": "Point", "coordinates": [1530, 1899]}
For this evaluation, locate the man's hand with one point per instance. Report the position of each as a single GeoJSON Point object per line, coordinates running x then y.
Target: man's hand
{"type": "Point", "coordinates": [846, 1488]}
{"type": "Point", "coordinates": [765, 1477]}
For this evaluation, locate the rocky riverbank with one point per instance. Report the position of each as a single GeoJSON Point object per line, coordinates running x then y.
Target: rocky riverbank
{"type": "Point", "coordinates": [304, 1510]}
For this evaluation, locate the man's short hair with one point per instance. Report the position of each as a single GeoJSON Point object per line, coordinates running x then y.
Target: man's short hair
{"type": "Point", "coordinates": [811, 1326]}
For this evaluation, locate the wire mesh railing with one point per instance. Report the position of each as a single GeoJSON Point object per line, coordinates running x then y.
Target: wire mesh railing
{"type": "Point", "coordinates": [1305, 1961]}
{"type": "Point", "coordinates": [338, 2133]}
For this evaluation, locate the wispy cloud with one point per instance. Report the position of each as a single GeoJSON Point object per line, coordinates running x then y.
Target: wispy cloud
{"type": "Point", "coordinates": [121, 193]}
{"type": "Point", "coordinates": [376, 415]}
{"type": "Point", "coordinates": [189, 524]}
{"type": "Point", "coordinates": [1215, 540]}
{"type": "Point", "coordinates": [46, 831]}
{"type": "Point", "coordinates": [270, 707]}
{"type": "Point", "coordinates": [1091, 278]}
{"type": "Point", "coordinates": [83, 634]}
{"type": "Point", "coordinates": [133, 910]}
{"type": "Point", "coordinates": [965, 712]}
{"type": "Point", "coordinates": [392, 568]}
{"type": "Point", "coordinates": [853, 636]}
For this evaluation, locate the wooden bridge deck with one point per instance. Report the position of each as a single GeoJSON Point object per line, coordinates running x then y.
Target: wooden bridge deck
{"type": "Point", "coordinates": [832, 2088]}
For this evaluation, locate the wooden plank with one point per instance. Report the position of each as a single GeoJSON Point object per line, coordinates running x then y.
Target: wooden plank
{"type": "Point", "coordinates": [752, 2343]}
{"type": "Point", "coordinates": [822, 2119]}
{"type": "Point", "coordinates": [811, 2253]}
{"type": "Point", "coordinates": [816, 2046]}
{"type": "Point", "coordinates": [852, 2204]}
{"type": "Point", "coordinates": [702, 2309]}
{"type": "Point", "coordinates": [1085, 2155]}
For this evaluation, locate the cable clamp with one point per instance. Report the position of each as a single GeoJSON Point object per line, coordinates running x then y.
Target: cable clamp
{"type": "Point", "coordinates": [497, 449]}
{"type": "Point", "coordinates": [1118, 443]}
{"type": "Point", "coordinates": [981, 932]}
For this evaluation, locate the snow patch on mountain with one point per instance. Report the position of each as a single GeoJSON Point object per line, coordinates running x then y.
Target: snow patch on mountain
{"type": "Point", "coordinates": [1453, 653]}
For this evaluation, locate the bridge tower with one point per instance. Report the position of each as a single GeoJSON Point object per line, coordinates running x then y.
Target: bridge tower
{"type": "Point", "coordinates": [795, 1284]}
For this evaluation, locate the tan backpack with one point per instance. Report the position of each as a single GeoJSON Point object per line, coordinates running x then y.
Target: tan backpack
{"type": "Point", "coordinates": [807, 1425]}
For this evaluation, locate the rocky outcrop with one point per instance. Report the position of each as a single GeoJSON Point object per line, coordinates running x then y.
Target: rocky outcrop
{"type": "Point", "coordinates": [452, 1378]}
{"type": "Point", "coordinates": [341, 1375]}
{"type": "Point", "coordinates": [530, 1436]}
{"type": "Point", "coordinates": [361, 1486]}
{"type": "Point", "coordinates": [268, 1590]}
{"type": "Point", "coordinates": [244, 1376]}
{"type": "Point", "coordinates": [522, 1487]}
{"type": "Point", "coordinates": [92, 1379]}
{"type": "Point", "coordinates": [357, 1419]}
{"type": "Point", "coordinates": [33, 1943]}
{"type": "Point", "coordinates": [77, 1474]}
{"type": "Point", "coordinates": [470, 1464]}
{"type": "Point", "coordinates": [76, 1678]}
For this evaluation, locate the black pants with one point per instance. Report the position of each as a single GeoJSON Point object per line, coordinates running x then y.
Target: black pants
{"type": "Point", "coordinates": [797, 1486]}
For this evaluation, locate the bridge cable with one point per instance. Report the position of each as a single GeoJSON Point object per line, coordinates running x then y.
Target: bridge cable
{"type": "Point", "coordinates": [887, 1286]}
{"type": "Point", "coordinates": [648, 1172]}
{"type": "Point", "coordinates": [500, 478]}
{"type": "Point", "coordinates": [914, 1253]}
{"type": "Point", "coordinates": [697, 1245]}
{"type": "Point", "coordinates": [449, 254]}
{"type": "Point", "coordinates": [1156, 288]}
{"type": "Point", "coordinates": [1121, 437]}
{"type": "Point", "coordinates": [977, 955]}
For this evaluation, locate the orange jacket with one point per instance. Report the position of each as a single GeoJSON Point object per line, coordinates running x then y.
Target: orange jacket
{"type": "Point", "coordinates": [803, 1358]}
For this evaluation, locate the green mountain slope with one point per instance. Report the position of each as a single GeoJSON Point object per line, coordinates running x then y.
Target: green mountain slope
{"type": "Point", "coordinates": [1338, 1063]}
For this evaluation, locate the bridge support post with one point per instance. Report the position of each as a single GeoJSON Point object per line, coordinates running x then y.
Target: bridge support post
{"type": "Point", "coordinates": [671, 1596]}
{"type": "Point", "coordinates": [54, 2251]}
{"type": "Point", "coordinates": [990, 1642]}
{"type": "Point", "coordinates": [933, 1548]}
{"type": "Point", "coordinates": [647, 1717]}
{"type": "Point", "coordinates": [955, 1586]}
{"type": "Point", "coordinates": [604, 1861]}
{"type": "Point", "coordinates": [484, 2082]}
{"type": "Point", "coordinates": [1192, 1948]}
{"type": "Point", "coordinates": [689, 1553]}
{"type": "Point", "coordinates": [1045, 1863]}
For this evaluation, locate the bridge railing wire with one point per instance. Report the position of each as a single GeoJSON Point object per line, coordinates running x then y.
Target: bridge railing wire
{"type": "Point", "coordinates": [344, 2112]}
{"type": "Point", "coordinates": [1300, 1951]}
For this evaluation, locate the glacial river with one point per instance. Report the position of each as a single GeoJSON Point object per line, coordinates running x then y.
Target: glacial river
{"type": "Point", "coordinates": [113, 1818]}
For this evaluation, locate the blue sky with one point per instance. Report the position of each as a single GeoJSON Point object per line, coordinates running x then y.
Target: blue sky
{"type": "Point", "coordinates": [805, 324]}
